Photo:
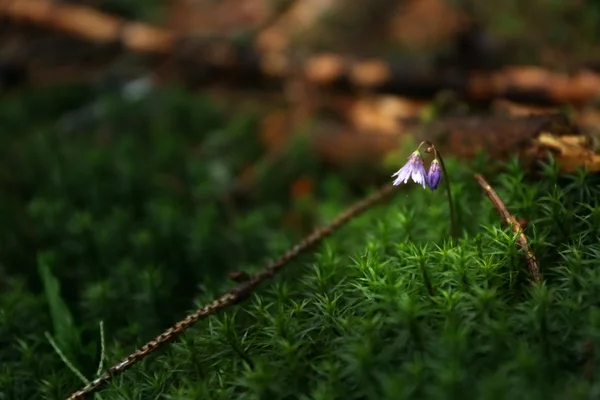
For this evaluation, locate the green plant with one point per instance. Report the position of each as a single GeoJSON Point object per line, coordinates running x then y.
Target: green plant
{"type": "Point", "coordinates": [377, 314]}
{"type": "Point", "coordinates": [127, 223]}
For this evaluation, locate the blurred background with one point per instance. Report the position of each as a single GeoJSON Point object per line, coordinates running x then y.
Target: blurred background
{"type": "Point", "coordinates": [149, 147]}
{"type": "Point", "coordinates": [364, 75]}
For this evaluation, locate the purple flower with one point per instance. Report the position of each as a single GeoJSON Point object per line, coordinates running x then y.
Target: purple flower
{"type": "Point", "coordinates": [414, 169]}
{"type": "Point", "coordinates": [434, 175]}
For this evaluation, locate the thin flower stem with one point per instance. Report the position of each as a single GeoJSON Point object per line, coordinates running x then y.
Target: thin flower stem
{"type": "Point", "coordinates": [450, 201]}
{"type": "Point", "coordinates": [438, 156]}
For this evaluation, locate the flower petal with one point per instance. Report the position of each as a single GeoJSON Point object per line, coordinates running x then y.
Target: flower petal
{"type": "Point", "coordinates": [414, 168]}
{"type": "Point", "coordinates": [418, 176]}
{"type": "Point", "coordinates": [403, 175]}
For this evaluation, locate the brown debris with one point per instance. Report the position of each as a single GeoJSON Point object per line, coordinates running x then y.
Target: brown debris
{"type": "Point", "coordinates": [193, 17]}
{"type": "Point", "coordinates": [89, 24]}
{"type": "Point", "coordinates": [375, 134]}
{"type": "Point", "coordinates": [370, 73]}
{"type": "Point", "coordinates": [339, 145]}
{"type": "Point", "coordinates": [531, 137]}
{"type": "Point", "coordinates": [297, 20]}
{"type": "Point", "coordinates": [368, 128]}
{"type": "Point", "coordinates": [382, 114]}
{"type": "Point", "coordinates": [570, 152]}
{"type": "Point", "coordinates": [535, 83]}
{"type": "Point", "coordinates": [373, 125]}
{"type": "Point", "coordinates": [497, 136]}
{"type": "Point", "coordinates": [442, 21]}
{"type": "Point", "coordinates": [266, 57]}
{"type": "Point", "coordinates": [513, 109]}
{"type": "Point", "coordinates": [324, 69]}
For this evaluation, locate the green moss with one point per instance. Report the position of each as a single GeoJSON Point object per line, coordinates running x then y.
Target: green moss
{"type": "Point", "coordinates": [392, 310]}
{"type": "Point", "coordinates": [125, 224]}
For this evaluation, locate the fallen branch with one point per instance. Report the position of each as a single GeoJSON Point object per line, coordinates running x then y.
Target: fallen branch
{"type": "Point", "coordinates": [510, 220]}
{"type": "Point", "coordinates": [238, 293]}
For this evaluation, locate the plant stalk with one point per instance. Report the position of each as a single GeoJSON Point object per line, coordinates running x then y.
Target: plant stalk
{"type": "Point", "coordinates": [438, 156]}
{"type": "Point", "coordinates": [450, 201]}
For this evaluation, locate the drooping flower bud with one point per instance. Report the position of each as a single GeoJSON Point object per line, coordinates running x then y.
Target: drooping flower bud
{"type": "Point", "coordinates": [434, 175]}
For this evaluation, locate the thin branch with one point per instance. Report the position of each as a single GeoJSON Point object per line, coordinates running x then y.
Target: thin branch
{"type": "Point", "coordinates": [238, 293]}
{"type": "Point", "coordinates": [511, 221]}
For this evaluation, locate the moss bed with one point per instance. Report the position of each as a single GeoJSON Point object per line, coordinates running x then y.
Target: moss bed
{"type": "Point", "coordinates": [121, 224]}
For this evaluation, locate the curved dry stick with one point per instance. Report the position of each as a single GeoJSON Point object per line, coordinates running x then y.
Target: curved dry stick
{"type": "Point", "coordinates": [511, 221]}
{"type": "Point", "coordinates": [238, 293]}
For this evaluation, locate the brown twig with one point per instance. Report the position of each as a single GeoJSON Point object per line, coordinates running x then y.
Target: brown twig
{"type": "Point", "coordinates": [238, 293]}
{"type": "Point", "coordinates": [509, 219]}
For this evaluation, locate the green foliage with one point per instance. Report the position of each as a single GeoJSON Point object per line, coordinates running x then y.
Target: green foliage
{"type": "Point", "coordinates": [62, 320]}
{"type": "Point", "coordinates": [126, 224]}
{"type": "Point", "coordinates": [389, 308]}
{"type": "Point", "coordinates": [125, 221]}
